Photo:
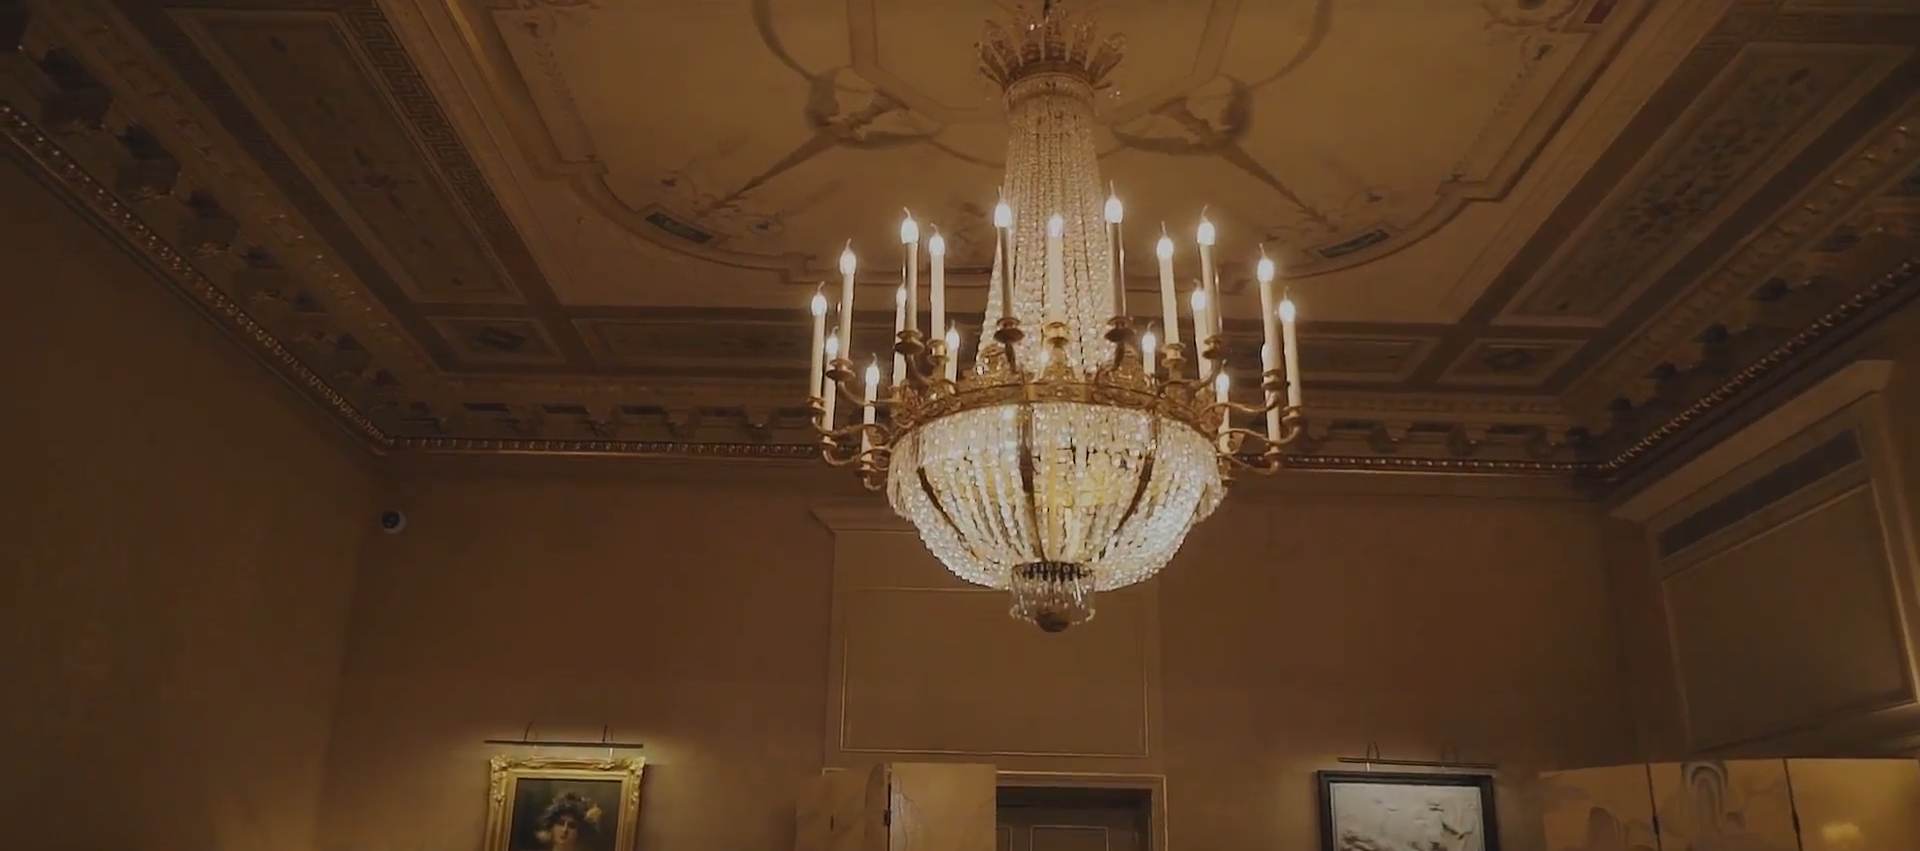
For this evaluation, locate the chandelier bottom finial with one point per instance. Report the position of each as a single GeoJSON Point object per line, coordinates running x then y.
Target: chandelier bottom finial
{"type": "Point", "coordinates": [1052, 595]}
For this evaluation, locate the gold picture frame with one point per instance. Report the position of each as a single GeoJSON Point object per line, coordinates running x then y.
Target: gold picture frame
{"type": "Point", "coordinates": [563, 804]}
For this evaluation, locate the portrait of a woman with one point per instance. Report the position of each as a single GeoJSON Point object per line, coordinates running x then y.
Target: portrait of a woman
{"type": "Point", "coordinates": [570, 823]}
{"type": "Point", "coordinates": [549, 804]}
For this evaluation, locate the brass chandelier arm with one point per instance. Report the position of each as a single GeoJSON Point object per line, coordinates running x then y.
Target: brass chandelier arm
{"type": "Point", "coordinates": [841, 377]}
{"type": "Point", "coordinates": [1266, 463]}
{"type": "Point", "coordinates": [1274, 388]}
{"type": "Point", "coordinates": [1214, 353]}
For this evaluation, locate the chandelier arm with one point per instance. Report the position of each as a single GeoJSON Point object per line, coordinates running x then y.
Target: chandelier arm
{"type": "Point", "coordinates": [881, 434]}
{"type": "Point", "coordinates": [838, 454]}
{"type": "Point", "coordinates": [1278, 402]}
{"type": "Point", "coordinates": [1216, 364]}
{"type": "Point", "coordinates": [874, 467]}
{"type": "Point", "coordinates": [1291, 426]}
{"type": "Point", "coordinates": [1266, 463]}
{"type": "Point", "coordinates": [832, 453]}
{"type": "Point", "coordinates": [859, 399]}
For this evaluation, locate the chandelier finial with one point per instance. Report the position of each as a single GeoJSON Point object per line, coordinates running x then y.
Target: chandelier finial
{"type": "Point", "coordinates": [1057, 42]}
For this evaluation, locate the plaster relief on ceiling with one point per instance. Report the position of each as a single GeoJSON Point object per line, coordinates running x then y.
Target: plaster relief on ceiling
{"type": "Point", "coordinates": [1335, 357]}
{"type": "Point", "coordinates": [835, 114]}
{"type": "Point", "coordinates": [493, 341]}
{"type": "Point", "coordinates": [1509, 362]}
{"type": "Point", "coordinates": [1763, 108]}
{"type": "Point", "coordinates": [1873, 168]}
{"type": "Point", "coordinates": [729, 342]}
{"type": "Point", "coordinates": [300, 75]}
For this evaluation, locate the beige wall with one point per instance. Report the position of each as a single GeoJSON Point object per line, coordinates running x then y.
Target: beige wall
{"type": "Point", "coordinates": [688, 615]}
{"type": "Point", "coordinates": [691, 608]}
{"type": "Point", "coordinates": [176, 560]}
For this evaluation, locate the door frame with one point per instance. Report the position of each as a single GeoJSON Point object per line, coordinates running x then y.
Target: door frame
{"type": "Point", "coordinates": [1155, 785]}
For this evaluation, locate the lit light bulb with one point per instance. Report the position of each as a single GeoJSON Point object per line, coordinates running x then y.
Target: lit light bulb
{"type": "Point", "coordinates": [873, 377]}
{"type": "Point", "coordinates": [909, 231]}
{"type": "Point", "coordinates": [847, 263]}
{"type": "Point", "coordinates": [1199, 299]}
{"type": "Point", "coordinates": [1114, 212]}
{"type": "Point", "coordinates": [819, 304]}
{"type": "Point", "coordinates": [1206, 235]}
{"type": "Point", "coordinates": [1148, 345]}
{"type": "Point", "coordinates": [1002, 215]}
{"type": "Point", "coordinates": [833, 346]}
{"type": "Point", "coordinates": [937, 245]}
{"type": "Point", "coordinates": [1221, 385]}
{"type": "Point", "coordinates": [1264, 271]}
{"type": "Point", "coordinates": [953, 341]}
{"type": "Point", "coordinates": [1056, 226]}
{"type": "Point", "coordinates": [1165, 248]}
{"type": "Point", "coordinates": [1286, 311]}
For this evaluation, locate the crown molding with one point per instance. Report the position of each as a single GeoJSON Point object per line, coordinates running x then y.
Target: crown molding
{"type": "Point", "coordinates": [1856, 381]}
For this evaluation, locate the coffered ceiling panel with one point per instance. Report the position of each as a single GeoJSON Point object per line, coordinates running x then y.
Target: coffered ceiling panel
{"type": "Point", "coordinates": [1527, 235]}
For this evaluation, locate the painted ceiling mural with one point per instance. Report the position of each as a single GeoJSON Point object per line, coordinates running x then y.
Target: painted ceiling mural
{"type": "Point", "coordinates": [1528, 235]}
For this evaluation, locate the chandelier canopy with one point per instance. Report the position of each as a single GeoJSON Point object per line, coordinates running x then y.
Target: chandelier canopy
{"type": "Point", "coordinates": [1076, 459]}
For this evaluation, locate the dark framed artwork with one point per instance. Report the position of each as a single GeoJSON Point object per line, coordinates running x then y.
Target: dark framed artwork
{"type": "Point", "coordinates": [1390, 811]}
{"type": "Point", "coordinates": [551, 804]}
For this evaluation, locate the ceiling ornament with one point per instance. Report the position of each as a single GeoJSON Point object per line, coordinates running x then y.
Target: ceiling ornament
{"type": "Point", "coordinates": [1076, 459]}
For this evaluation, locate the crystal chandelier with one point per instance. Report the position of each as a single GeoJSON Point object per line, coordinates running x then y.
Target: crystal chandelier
{"type": "Point", "coordinates": [1074, 460]}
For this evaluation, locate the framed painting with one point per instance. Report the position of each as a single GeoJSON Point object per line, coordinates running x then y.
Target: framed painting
{"type": "Point", "coordinates": [553, 804]}
{"type": "Point", "coordinates": [1386, 811]}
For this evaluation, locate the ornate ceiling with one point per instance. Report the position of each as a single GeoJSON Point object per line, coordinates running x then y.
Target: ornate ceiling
{"type": "Point", "coordinates": [1526, 235]}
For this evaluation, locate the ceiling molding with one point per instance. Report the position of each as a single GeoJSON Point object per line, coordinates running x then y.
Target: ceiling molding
{"type": "Point", "coordinates": [209, 223]}
{"type": "Point", "coordinates": [1834, 393]}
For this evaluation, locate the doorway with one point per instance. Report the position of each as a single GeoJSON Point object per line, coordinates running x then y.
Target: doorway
{"type": "Point", "coordinates": [1073, 818]}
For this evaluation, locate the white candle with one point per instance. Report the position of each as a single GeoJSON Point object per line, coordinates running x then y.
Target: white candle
{"type": "Point", "coordinates": [1273, 411]}
{"type": "Point", "coordinates": [1290, 351]}
{"type": "Point", "coordinates": [819, 343]}
{"type": "Point", "coordinates": [1003, 255]}
{"type": "Point", "coordinates": [1270, 349]}
{"type": "Point", "coordinates": [910, 272]}
{"type": "Point", "coordinates": [1208, 279]}
{"type": "Point", "coordinates": [1148, 351]}
{"type": "Point", "coordinates": [1056, 270]}
{"type": "Point", "coordinates": [1220, 394]}
{"type": "Point", "coordinates": [867, 410]}
{"type": "Point", "coordinates": [1116, 263]}
{"type": "Point", "coordinates": [830, 389]}
{"type": "Point", "coordinates": [1169, 304]}
{"type": "Point", "coordinates": [1198, 301]}
{"type": "Point", "coordinates": [847, 265]}
{"type": "Point", "coordinates": [899, 325]}
{"type": "Point", "coordinates": [953, 353]}
{"type": "Point", "coordinates": [937, 251]}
